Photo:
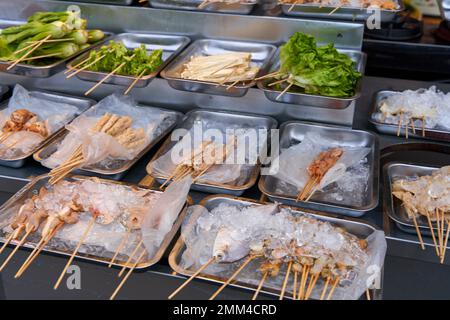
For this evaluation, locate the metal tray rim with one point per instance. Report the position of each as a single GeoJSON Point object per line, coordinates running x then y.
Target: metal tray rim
{"type": "Point", "coordinates": [127, 164]}
{"type": "Point", "coordinates": [87, 257]}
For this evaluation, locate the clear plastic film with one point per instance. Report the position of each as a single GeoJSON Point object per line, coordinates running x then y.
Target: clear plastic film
{"type": "Point", "coordinates": [202, 229]}
{"type": "Point", "coordinates": [53, 114]}
{"type": "Point", "coordinates": [294, 161]}
{"type": "Point", "coordinates": [163, 213]}
{"type": "Point", "coordinates": [101, 149]}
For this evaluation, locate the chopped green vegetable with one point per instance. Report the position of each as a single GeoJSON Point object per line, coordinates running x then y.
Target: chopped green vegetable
{"type": "Point", "coordinates": [318, 70]}
{"type": "Point", "coordinates": [136, 61]}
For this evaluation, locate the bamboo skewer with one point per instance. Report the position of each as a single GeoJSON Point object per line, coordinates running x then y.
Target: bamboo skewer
{"type": "Point", "coordinates": [445, 242]}
{"type": "Point", "coordinates": [292, 6]}
{"type": "Point", "coordinates": [113, 296]}
{"type": "Point", "coordinates": [261, 282]}
{"type": "Point", "coordinates": [330, 295]}
{"type": "Point", "coordinates": [325, 287]}
{"type": "Point", "coordinates": [203, 267]}
{"type": "Point", "coordinates": [107, 77]}
{"type": "Point", "coordinates": [303, 281]}
{"type": "Point", "coordinates": [432, 234]}
{"type": "Point", "coordinates": [215, 294]}
{"type": "Point", "coordinates": [269, 75]}
{"type": "Point", "coordinates": [5, 244]}
{"type": "Point", "coordinates": [286, 278]}
{"type": "Point", "coordinates": [28, 53]}
{"type": "Point", "coordinates": [438, 223]}
{"type": "Point", "coordinates": [294, 288]}
{"type": "Point", "coordinates": [85, 67]}
{"type": "Point", "coordinates": [134, 82]}
{"type": "Point", "coordinates": [83, 237]}
{"type": "Point", "coordinates": [126, 264]}
{"type": "Point", "coordinates": [399, 124]}
{"type": "Point", "coordinates": [41, 57]}
{"type": "Point", "coordinates": [284, 91]}
{"type": "Point", "coordinates": [419, 235]}
{"type": "Point", "coordinates": [412, 126]}
{"type": "Point", "coordinates": [368, 294]}
{"type": "Point", "coordinates": [34, 254]}
{"type": "Point", "coordinates": [277, 82]}
{"type": "Point", "coordinates": [77, 65]}
{"type": "Point", "coordinates": [311, 285]}
{"type": "Point", "coordinates": [22, 241]}
{"type": "Point", "coordinates": [120, 246]}
{"type": "Point", "coordinates": [334, 10]}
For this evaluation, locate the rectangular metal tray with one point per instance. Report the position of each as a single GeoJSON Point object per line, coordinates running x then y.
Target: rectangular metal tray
{"type": "Point", "coordinates": [49, 70]}
{"type": "Point", "coordinates": [261, 54]}
{"type": "Point", "coordinates": [304, 99]}
{"type": "Point", "coordinates": [294, 132]}
{"type": "Point", "coordinates": [343, 13]}
{"type": "Point", "coordinates": [432, 134]}
{"type": "Point", "coordinates": [170, 44]}
{"type": "Point", "coordinates": [232, 118]}
{"type": "Point", "coordinates": [192, 5]}
{"type": "Point", "coordinates": [115, 174]}
{"type": "Point", "coordinates": [81, 103]}
{"type": "Point", "coordinates": [33, 187]}
{"type": "Point", "coordinates": [393, 206]}
{"type": "Point", "coordinates": [358, 228]}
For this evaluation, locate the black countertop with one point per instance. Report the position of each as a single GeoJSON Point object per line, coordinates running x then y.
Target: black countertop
{"type": "Point", "coordinates": [409, 272]}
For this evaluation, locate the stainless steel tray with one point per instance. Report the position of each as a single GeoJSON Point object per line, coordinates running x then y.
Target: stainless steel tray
{"type": "Point", "coordinates": [32, 188]}
{"type": "Point", "coordinates": [81, 103]}
{"type": "Point", "coordinates": [170, 44]}
{"type": "Point", "coordinates": [261, 54]}
{"type": "Point", "coordinates": [393, 206]}
{"type": "Point", "coordinates": [223, 118]}
{"type": "Point", "coordinates": [432, 134]}
{"type": "Point", "coordinates": [295, 96]}
{"type": "Point", "coordinates": [48, 70]}
{"type": "Point", "coordinates": [358, 228]}
{"type": "Point", "coordinates": [343, 13]}
{"type": "Point", "coordinates": [192, 5]}
{"type": "Point", "coordinates": [294, 132]}
{"type": "Point", "coordinates": [122, 166]}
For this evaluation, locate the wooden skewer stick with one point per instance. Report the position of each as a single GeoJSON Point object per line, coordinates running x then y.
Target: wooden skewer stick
{"type": "Point", "coordinates": [368, 294]}
{"type": "Point", "coordinates": [204, 4]}
{"type": "Point", "coordinates": [301, 193]}
{"type": "Point", "coordinates": [303, 281]}
{"type": "Point", "coordinates": [215, 294]}
{"type": "Point", "coordinates": [276, 82]}
{"type": "Point", "coordinates": [419, 235]}
{"type": "Point", "coordinates": [334, 10]}
{"type": "Point", "coordinates": [438, 223]}
{"type": "Point", "coordinates": [232, 85]}
{"type": "Point", "coordinates": [312, 284]}
{"type": "Point", "coordinates": [120, 246]}
{"type": "Point", "coordinates": [174, 173]}
{"type": "Point", "coordinates": [85, 67]}
{"type": "Point", "coordinates": [29, 52]}
{"type": "Point", "coordinates": [413, 126]}
{"type": "Point", "coordinates": [330, 295]}
{"type": "Point", "coordinates": [126, 264]}
{"type": "Point", "coordinates": [6, 136]}
{"type": "Point", "coordinates": [83, 237]}
{"type": "Point", "coordinates": [134, 82]}
{"type": "Point", "coordinates": [314, 189]}
{"type": "Point", "coordinates": [107, 77]}
{"type": "Point", "coordinates": [423, 126]}
{"type": "Point", "coordinates": [113, 296]}
{"type": "Point", "coordinates": [292, 6]}
{"type": "Point", "coordinates": [445, 242]}
{"type": "Point", "coordinates": [34, 254]}
{"type": "Point", "coordinates": [41, 57]}
{"type": "Point", "coordinates": [442, 231]}
{"type": "Point", "coordinates": [25, 48]}
{"type": "Point", "coordinates": [294, 288]}
{"type": "Point", "coordinates": [399, 123]}
{"type": "Point", "coordinates": [269, 75]}
{"type": "Point", "coordinates": [203, 267]}
{"type": "Point", "coordinates": [286, 278]}
{"type": "Point", "coordinates": [284, 91]}
{"type": "Point", "coordinates": [22, 241]}
{"type": "Point", "coordinates": [7, 242]}
{"type": "Point", "coordinates": [261, 282]}
{"type": "Point", "coordinates": [432, 234]}
{"type": "Point", "coordinates": [325, 287]}
{"type": "Point", "coordinates": [77, 65]}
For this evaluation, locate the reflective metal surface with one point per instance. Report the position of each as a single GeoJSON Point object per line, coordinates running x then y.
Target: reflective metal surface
{"type": "Point", "coordinates": [295, 95]}
{"type": "Point", "coordinates": [82, 105]}
{"type": "Point", "coordinates": [261, 54]}
{"type": "Point", "coordinates": [218, 120]}
{"type": "Point", "coordinates": [171, 46]}
{"type": "Point", "coordinates": [432, 134]}
{"type": "Point", "coordinates": [33, 188]}
{"type": "Point", "coordinates": [237, 8]}
{"type": "Point", "coordinates": [293, 133]}
{"type": "Point", "coordinates": [342, 13]}
{"type": "Point", "coordinates": [358, 228]}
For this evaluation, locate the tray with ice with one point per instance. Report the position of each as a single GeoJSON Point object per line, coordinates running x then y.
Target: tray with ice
{"type": "Point", "coordinates": [276, 249]}
{"type": "Point", "coordinates": [325, 168]}
{"type": "Point", "coordinates": [422, 113]}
